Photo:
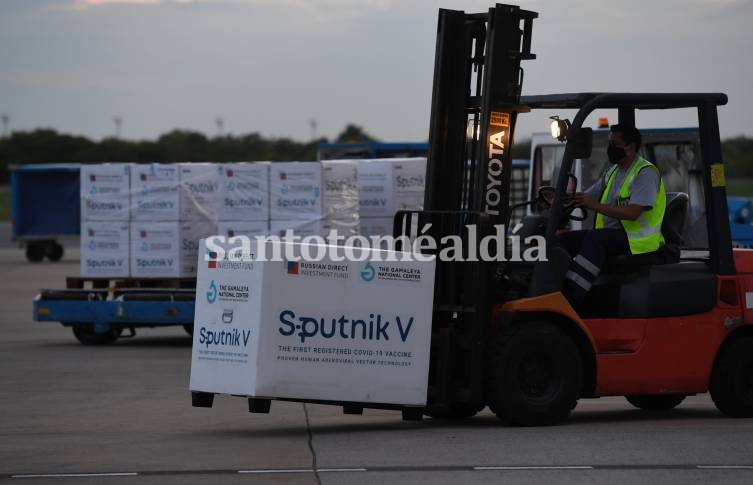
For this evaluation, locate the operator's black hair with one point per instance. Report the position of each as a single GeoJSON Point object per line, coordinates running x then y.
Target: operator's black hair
{"type": "Point", "coordinates": [630, 134]}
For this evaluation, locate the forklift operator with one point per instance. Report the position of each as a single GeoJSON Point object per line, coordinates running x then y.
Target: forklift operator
{"type": "Point", "coordinates": [629, 203]}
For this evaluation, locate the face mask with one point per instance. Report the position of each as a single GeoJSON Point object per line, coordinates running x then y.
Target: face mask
{"type": "Point", "coordinates": [615, 154]}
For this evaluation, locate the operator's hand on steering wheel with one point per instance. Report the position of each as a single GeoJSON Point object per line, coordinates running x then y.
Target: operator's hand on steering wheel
{"type": "Point", "coordinates": [581, 199]}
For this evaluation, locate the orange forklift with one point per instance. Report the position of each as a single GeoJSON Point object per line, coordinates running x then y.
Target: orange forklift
{"type": "Point", "coordinates": [655, 328]}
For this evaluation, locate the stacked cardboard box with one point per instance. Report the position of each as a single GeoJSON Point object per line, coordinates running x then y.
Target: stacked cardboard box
{"type": "Point", "coordinates": [385, 187]}
{"type": "Point", "coordinates": [198, 190]}
{"type": "Point", "coordinates": [155, 210]}
{"type": "Point", "coordinates": [339, 198]}
{"type": "Point", "coordinates": [295, 196]}
{"type": "Point", "coordinates": [105, 213]}
{"type": "Point", "coordinates": [243, 199]}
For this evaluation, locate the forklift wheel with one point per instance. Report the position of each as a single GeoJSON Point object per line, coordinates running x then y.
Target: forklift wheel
{"type": "Point", "coordinates": [55, 251]}
{"type": "Point", "coordinates": [656, 403]}
{"type": "Point", "coordinates": [35, 252]}
{"type": "Point", "coordinates": [535, 375]}
{"type": "Point", "coordinates": [732, 378]}
{"type": "Point", "coordinates": [84, 333]}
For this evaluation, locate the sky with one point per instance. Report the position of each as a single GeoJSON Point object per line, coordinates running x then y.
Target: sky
{"type": "Point", "coordinates": [274, 66]}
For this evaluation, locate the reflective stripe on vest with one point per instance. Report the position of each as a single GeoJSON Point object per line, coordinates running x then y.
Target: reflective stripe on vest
{"type": "Point", "coordinates": [644, 234]}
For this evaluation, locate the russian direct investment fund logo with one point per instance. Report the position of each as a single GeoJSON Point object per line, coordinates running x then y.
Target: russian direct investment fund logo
{"type": "Point", "coordinates": [369, 272]}
{"type": "Point", "coordinates": [293, 267]}
{"type": "Point", "coordinates": [212, 292]}
{"type": "Point", "coordinates": [212, 263]}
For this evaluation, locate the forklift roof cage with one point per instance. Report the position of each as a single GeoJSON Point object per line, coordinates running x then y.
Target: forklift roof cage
{"type": "Point", "coordinates": [720, 245]}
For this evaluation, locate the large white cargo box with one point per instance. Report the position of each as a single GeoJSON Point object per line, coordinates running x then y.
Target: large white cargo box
{"type": "Point", "coordinates": [295, 190]}
{"type": "Point", "coordinates": [105, 192]}
{"type": "Point", "coordinates": [104, 249]}
{"type": "Point", "coordinates": [198, 191]}
{"type": "Point", "coordinates": [244, 192]}
{"type": "Point", "coordinates": [335, 331]}
{"type": "Point", "coordinates": [154, 192]}
{"type": "Point", "coordinates": [155, 249]}
{"type": "Point", "coordinates": [190, 235]}
{"type": "Point", "coordinates": [375, 188]}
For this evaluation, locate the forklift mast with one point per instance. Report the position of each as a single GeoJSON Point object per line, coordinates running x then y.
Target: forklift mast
{"type": "Point", "coordinates": [475, 102]}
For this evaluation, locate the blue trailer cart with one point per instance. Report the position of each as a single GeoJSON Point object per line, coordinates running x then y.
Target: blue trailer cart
{"type": "Point", "coordinates": [99, 310]}
{"type": "Point", "coordinates": [45, 204]}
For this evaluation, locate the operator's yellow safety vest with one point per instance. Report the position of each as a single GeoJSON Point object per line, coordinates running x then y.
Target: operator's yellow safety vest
{"type": "Point", "coordinates": [644, 234]}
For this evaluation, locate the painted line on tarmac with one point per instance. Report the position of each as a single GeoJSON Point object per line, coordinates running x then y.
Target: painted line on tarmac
{"type": "Point", "coordinates": [564, 467]}
{"type": "Point", "coordinates": [382, 469]}
{"type": "Point", "coordinates": [76, 475]}
{"type": "Point", "coordinates": [293, 470]}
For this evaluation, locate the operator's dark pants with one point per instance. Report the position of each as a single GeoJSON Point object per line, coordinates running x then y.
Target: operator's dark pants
{"type": "Point", "coordinates": [589, 250]}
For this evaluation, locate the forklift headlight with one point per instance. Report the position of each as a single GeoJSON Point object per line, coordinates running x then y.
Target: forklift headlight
{"type": "Point", "coordinates": [558, 128]}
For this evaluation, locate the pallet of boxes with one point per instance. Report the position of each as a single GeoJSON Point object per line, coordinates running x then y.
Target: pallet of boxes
{"type": "Point", "coordinates": [144, 221]}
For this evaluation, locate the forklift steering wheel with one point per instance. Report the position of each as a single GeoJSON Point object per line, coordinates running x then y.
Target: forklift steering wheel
{"type": "Point", "coordinates": [545, 195]}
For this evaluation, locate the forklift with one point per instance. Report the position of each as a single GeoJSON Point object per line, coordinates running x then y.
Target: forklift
{"type": "Point", "coordinates": [655, 328]}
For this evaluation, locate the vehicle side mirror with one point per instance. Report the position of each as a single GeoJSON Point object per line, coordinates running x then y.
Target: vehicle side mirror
{"type": "Point", "coordinates": [582, 140]}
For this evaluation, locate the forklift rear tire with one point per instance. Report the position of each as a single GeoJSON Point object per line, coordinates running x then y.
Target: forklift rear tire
{"type": "Point", "coordinates": [84, 333]}
{"type": "Point", "coordinates": [536, 375]}
{"type": "Point", "coordinates": [656, 403]}
{"type": "Point", "coordinates": [732, 378]}
{"type": "Point", "coordinates": [35, 252]}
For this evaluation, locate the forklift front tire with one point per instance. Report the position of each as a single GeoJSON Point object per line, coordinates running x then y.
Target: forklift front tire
{"type": "Point", "coordinates": [535, 374]}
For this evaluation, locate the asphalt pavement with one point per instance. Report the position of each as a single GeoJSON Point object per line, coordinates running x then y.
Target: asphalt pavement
{"type": "Point", "coordinates": [122, 414]}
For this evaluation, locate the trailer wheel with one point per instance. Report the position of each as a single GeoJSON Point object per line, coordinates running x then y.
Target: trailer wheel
{"type": "Point", "coordinates": [35, 252]}
{"type": "Point", "coordinates": [732, 378]}
{"type": "Point", "coordinates": [55, 251]}
{"type": "Point", "coordinates": [84, 333]}
{"type": "Point", "coordinates": [535, 375]}
{"type": "Point", "coordinates": [189, 329]}
{"type": "Point", "coordinates": [656, 403]}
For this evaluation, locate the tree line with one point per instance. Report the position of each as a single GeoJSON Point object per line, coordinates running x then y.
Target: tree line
{"type": "Point", "coordinates": [49, 146]}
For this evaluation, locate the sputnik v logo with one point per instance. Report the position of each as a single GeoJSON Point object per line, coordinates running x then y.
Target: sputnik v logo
{"type": "Point", "coordinates": [212, 293]}
{"type": "Point", "coordinates": [368, 272]}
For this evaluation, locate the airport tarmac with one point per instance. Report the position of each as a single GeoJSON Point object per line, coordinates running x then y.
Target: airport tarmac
{"type": "Point", "coordinates": [122, 414]}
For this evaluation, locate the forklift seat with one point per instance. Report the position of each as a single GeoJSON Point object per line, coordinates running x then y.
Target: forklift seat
{"type": "Point", "coordinates": [655, 284]}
